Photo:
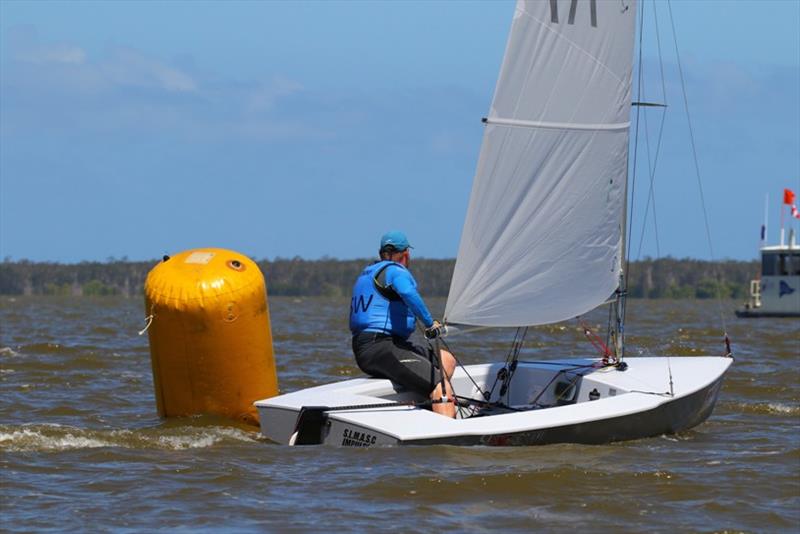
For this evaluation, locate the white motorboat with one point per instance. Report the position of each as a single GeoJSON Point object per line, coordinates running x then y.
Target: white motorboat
{"type": "Point", "coordinates": [543, 242]}
{"type": "Point", "coordinates": [776, 292]}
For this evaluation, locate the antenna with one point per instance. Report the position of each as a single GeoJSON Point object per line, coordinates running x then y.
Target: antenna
{"type": "Point", "coordinates": [782, 210]}
{"type": "Point", "coordinates": [766, 220]}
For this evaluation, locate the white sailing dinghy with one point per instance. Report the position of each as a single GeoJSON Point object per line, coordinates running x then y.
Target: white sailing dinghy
{"type": "Point", "coordinates": [543, 242]}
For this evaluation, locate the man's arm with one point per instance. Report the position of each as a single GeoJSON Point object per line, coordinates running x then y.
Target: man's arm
{"type": "Point", "coordinates": [402, 282]}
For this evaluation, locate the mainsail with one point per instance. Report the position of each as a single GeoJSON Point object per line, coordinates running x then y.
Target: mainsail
{"type": "Point", "coordinates": [542, 240]}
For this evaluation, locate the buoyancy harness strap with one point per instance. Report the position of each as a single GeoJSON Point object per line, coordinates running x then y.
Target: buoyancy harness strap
{"type": "Point", "coordinates": [380, 284]}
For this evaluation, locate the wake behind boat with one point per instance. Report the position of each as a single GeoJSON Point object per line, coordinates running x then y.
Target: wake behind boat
{"type": "Point", "coordinates": [543, 242]}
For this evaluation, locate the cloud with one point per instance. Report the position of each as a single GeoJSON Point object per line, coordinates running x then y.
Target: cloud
{"type": "Point", "coordinates": [262, 98]}
{"type": "Point", "coordinates": [62, 87]}
{"type": "Point", "coordinates": [68, 66]}
{"type": "Point", "coordinates": [127, 67]}
{"type": "Point", "coordinates": [57, 53]}
{"type": "Point", "coordinates": [25, 47]}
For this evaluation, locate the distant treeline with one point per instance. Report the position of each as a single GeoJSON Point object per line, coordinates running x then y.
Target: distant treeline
{"type": "Point", "coordinates": [661, 278]}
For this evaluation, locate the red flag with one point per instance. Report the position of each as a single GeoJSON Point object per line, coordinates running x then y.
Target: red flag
{"type": "Point", "coordinates": [788, 198]}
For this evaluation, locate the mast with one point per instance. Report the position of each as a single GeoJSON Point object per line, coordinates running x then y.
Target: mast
{"type": "Point", "coordinates": [618, 328]}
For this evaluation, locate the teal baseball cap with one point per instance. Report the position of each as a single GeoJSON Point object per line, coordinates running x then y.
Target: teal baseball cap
{"type": "Point", "coordinates": [396, 240]}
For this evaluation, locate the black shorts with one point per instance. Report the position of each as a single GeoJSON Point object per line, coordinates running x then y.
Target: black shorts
{"type": "Point", "coordinates": [383, 356]}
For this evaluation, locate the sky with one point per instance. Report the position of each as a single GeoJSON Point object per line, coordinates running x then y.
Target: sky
{"type": "Point", "coordinates": [307, 129]}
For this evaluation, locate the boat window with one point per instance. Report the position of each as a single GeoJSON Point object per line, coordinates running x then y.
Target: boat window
{"type": "Point", "coordinates": [789, 264]}
{"type": "Point", "coordinates": [776, 264]}
{"type": "Point", "coordinates": [769, 264]}
{"type": "Point", "coordinates": [794, 264]}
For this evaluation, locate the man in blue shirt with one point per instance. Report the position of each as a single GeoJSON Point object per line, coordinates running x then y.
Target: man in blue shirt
{"type": "Point", "coordinates": [383, 313]}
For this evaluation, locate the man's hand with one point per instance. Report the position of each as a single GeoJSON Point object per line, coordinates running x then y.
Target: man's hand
{"type": "Point", "coordinates": [434, 331]}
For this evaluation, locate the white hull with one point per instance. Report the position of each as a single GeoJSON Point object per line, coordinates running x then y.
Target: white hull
{"type": "Point", "coordinates": [652, 396]}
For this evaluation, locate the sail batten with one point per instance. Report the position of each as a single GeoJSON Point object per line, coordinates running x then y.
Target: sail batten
{"type": "Point", "coordinates": [542, 239]}
{"type": "Point", "coordinates": [556, 125]}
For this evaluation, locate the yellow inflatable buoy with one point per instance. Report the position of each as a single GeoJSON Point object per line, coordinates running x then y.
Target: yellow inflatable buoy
{"type": "Point", "coordinates": [210, 337]}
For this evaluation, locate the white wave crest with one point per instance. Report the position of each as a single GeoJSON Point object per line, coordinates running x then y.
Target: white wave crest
{"type": "Point", "coordinates": [202, 438]}
{"type": "Point", "coordinates": [32, 439]}
{"type": "Point", "coordinates": [59, 438]}
{"type": "Point", "coordinates": [775, 407]}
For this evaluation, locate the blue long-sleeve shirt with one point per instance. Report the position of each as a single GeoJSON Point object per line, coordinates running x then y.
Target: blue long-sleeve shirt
{"type": "Point", "coordinates": [372, 312]}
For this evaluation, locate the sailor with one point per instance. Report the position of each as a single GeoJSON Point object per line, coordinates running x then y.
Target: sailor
{"type": "Point", "coordinates": [383, 314]}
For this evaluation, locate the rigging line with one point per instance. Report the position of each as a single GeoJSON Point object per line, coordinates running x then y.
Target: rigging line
{"type": "Point", "coordinates": [507, 371]}
{"type": "Point", "coordinates": [671, 388]}
{"type": "Point", "coordinates": [663, 117]}
{"type": "Point", "coordinates": [546, 387]}
{"type": "Point", "coordinates": [452, 329]}
{"type": "Point", "coordinates": [594, 339]}
{"type": "Point", "coordinates": [374, 406]}
{"type": "Point", "coordinates": [635, 145]}
{"type": "Point", "coordinates": [617, 335]}
{"type": "Point", "coordinates": [566, 369]}
{"type": "Point", "coordinates": [697, 174]}
{"type": "Point", "coordinates": [665, 394]}
{"type": "Point", "coordinates": [627, 258]}
{"type": "Point", "coordinates": [471, 401]}
{"type": "Point", "coordinates": [651, 193]}
{"type": "Point", "coordinates": [506, 388]}
{"type": "Point", "coordinates": [487, 395]}
{"type": "Point", "coordinates": [572, 383]}
{"type": "Point", "coordinates": [660, 57]}
{"type": "Point", "coordinates": [463, 368]}
{"type": "Point", "coordinates": [650, 175]}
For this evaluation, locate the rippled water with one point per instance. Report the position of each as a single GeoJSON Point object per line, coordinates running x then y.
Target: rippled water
{"type": "Point", "coordinates": [83, 448]}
